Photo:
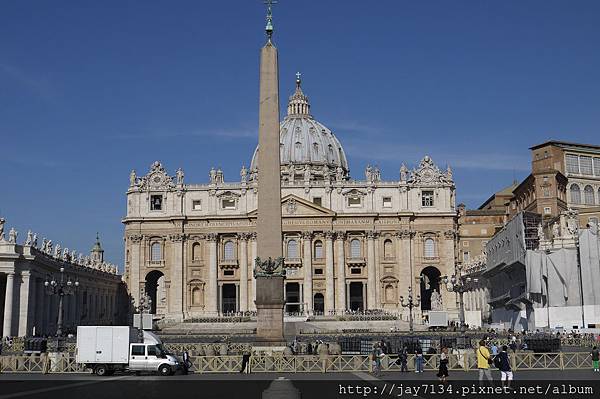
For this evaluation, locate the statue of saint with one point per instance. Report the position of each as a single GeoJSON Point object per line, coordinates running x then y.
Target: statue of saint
{"type": "Point", "coordinates": [339, 174]}
{"type": "Point", "coordinates": [34, 240]}
{"type": "Point", "coordinates": [555, 230]}
{"type": "Point", "coordinates": [2, 220]}
{"type": "Point", "coordinates": [403, 173]}
{"type": "Point", "coordinates": [436, 301]}
{"type": "Point", "coordinates": [369, 174]}
{"type": "Point", "coordinates": [306, 174]}
{"type": "Point", "coordinates": [213, 175]}
{"type": "Point", "coordinates": [244, 174]}
{"type": "Point", "coordinates": [132, 178]}
{"type": "Point", "coordinates": [29, 239]}
{"type": "Point", "coordinates": [12, 236]}
{"type": "Point", "coordinates": [540, 232]}
{"type": "Point", "coordinates": [179, 175]}
{"type": "Point", "coordinates": [291, 173]}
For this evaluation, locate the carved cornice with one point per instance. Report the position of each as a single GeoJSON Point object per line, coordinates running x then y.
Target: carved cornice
{"type": "Point", "coordinates": [244, 236]}
{"type": "Point", "coordinates": [177, 237]}
{"type": "Point", "coordinates": [307, 235]}
{"type": "Point", "coordinates": [340, 235]}
{"type": "Point", "coordinates": [136, 238]}
{"type": "Point", "coordinates": [196, 237]}
{"type": "Point", "coordinates": [371, 234]}
{"type": "Point", "coordinates": [212, 237]}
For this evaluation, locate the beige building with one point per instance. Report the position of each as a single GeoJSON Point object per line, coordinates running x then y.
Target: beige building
{"type": "Point", "coordinates": [348, 244]}
{"type": "Point", "coordinates": [26, 308]}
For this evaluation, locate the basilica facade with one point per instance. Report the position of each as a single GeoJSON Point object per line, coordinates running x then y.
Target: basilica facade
{"type": "Point", "coordinates": [349, 245]}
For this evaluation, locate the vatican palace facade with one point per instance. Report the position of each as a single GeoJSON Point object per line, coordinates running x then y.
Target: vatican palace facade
{"type": "Point", "coordinates": [349, 245]}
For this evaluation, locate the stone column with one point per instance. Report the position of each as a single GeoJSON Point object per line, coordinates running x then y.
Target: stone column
{"type": "Point", "coordinates": [243, 297]}
{"type": "Point", "coordinates": [340, 297]}
{"type": "Point", "coordinates": [8, 304]}
{"type": "Point", "coordinates": [371, 278]}
{"type": "Point", "coordinates": [378, 293]}
{"type": "Point", "coordinates": [135, 267]}
{"type": "Point", "coordinates": [307, 266]}
{"type": "Point", "coordinates": [253, 255]}
{"type": "Point", "coordinates": [212, 291]}
{"type": "Point", "coordinates": [176, 293]}
{"type": "Point", "coordinates": [329, 277]}
{"type": "Point", "coordinates": [25, 294]}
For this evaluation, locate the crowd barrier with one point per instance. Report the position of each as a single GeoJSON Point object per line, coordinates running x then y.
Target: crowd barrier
{"type": "Point", "coordinates": [465, 361]}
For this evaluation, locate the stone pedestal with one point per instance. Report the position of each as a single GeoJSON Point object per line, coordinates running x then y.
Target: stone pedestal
{"type": "Point", "coordinates": [269, 307]}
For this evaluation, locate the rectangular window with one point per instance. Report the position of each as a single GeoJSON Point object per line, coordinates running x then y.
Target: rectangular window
{"type": "Point", "coordinates": [317, 201]}
{"type": "Point", "coordinates": [355, 201]}
{"type": "Point", "coordinates": [597, 166]}
{"type": "Point", "coordinates": [572, 162]}
{"type": "Point", "coordinates": [387, 202]}
{"type": "Point", "coordinates": [547, 210]}
{"type": "Point", "coordinates": [228, 203]}
{"type": "Point", "coordinates": [427, 198]}
{"type": "Point", "coordinates": [355, 270]}
{"type": "Point", "coordinates": [156, 202]}
{"type": "Point", "coordinates": [138, 350]}
{"type": "Point", "coordinates": [318, 271]}
{"type": "Point", "coordinates": [465, 243]}
{"type": "Point", "coordinates": [196, 205]}
{"type": "Point", "coordinates": [546, 192]}
{"type": "Point", "coordinates": [585, 165]}
{"type": "Point", "coordinates": [153, 350]}
{"type": "Point", "coordinates": [227, 272]}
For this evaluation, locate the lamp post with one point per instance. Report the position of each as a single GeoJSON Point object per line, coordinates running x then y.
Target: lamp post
{"type": "Point", "coordinates": [410, 303]}
{"type": "Point", "coordinates": [460, 284]}
{"type": "Point", "coordinates": [144, 306]}
{"type": "Point", "coordinates": [60, 285]}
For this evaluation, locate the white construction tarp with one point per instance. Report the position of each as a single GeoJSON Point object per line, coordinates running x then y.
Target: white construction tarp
{"type": "Point", "coordinates": [589, 250]}
{"type": "Point", "coordinates": [554, 275]}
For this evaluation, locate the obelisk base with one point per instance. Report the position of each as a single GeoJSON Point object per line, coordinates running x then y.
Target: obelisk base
{"type": "Point", "coordinates": [269, 307]}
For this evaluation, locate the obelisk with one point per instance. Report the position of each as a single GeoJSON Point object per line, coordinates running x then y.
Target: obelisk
{"type": "Point", "coordinates": [268, 265]}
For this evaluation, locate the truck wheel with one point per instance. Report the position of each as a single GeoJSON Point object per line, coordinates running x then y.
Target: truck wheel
{"type": "Point", "coordinates": [101, 370]}
{"type": "Point", "coordinates": [164, 369]}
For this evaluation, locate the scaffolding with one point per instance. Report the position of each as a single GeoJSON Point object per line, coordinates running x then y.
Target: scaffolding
{"type": "Point", "coordinates": [531, 222]}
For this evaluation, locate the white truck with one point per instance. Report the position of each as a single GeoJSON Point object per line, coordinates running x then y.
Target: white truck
{"type": "Point", "coordinates": [106, 349]}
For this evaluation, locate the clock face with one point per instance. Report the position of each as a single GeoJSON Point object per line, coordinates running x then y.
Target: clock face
{"type": "Point", "coordinates": [156, 180]}
{"type": "Point", "coordinates": [427, 175]}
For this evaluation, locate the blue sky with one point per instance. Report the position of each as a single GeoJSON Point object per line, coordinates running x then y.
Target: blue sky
{"type": "Point", "coordinates": [90, 90]}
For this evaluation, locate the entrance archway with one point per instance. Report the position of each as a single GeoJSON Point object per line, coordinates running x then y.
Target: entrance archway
{"type": "Point", "coordinates": [356, 296]}
{"type": "Point", "coordinates": [292, 297]}
{"type": "Point", "coordinates": [319, 303]}
{"type": "Point", "coordinates": [156, 290]}
{"type": "Point", "coordinates": [430, 282]}
{"type": "Point", "coordinates": [229, 298]}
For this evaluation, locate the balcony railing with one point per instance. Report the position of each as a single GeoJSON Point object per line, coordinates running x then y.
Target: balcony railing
{"type": "Point", "coordinates": [228, 263]}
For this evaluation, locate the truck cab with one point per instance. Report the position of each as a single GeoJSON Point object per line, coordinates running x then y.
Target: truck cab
{"type": "Point", "coordinates": [151, 356]}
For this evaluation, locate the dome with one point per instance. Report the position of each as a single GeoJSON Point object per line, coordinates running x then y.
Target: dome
{"type": "Point", "coordinates": [304, 141]}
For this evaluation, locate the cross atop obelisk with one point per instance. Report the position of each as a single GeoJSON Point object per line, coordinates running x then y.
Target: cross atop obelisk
{"type": "Point", "coordinates": [269, 263]}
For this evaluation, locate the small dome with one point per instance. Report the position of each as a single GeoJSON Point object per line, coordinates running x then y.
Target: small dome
{"type": "Point", "coordinates": [305, 141]}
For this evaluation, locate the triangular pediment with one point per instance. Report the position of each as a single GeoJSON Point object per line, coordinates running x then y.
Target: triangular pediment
{"type": "Point", "coordinates": [294, 206]}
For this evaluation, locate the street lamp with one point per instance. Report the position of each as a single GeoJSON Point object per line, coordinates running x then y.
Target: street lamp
{"type": "Point", "coordinates": [60, 286]}
{"type": "Point", "coordinates": [144, 306]}
{"type": "Point", "coordinates": [460, 284]}
{"type": "Point", "coordinates": [410, 303]}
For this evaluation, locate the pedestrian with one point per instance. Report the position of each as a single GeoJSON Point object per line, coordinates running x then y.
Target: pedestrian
{"type": "Point", "coordinates": [502, 361]}
{"type": "Point", "coordinates": [186, 362]}
{"type": "Point", "coordinates": [376, 356]}
{"type": "Point", "coordinates": [595, 358]}
{"type": "Point", "coordinates": [443, 369]}
{"type": "Point", "coordinates": [419, 360]}
{"type": "Point", "coordinates": [403, 357]}
{"type": "Point", "coordinates": [484, 359]}
{"type": "Point", "coordinates": [309, 349]}
{"type": "Point", "coordinates": [494, 349]}
{"type": "Point", "coordinates": [245, 359]}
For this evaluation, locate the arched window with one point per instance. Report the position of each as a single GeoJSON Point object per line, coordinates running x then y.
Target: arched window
{"type": "Point", "coordinates": [588, 194]}
{"type": "Point", "coordinates": [429, 248]}
{"type": "Point", "coordinates": [388, 249]}
{"type": "Point", "coordinates": [318, 250]}
{"type": "Point", "coordinates": [196, 296]}
{"type": "Point", "coordinates": [196, 254]}
{"type": "Point", "coordinates": [229, 250]}
{"type": "Point", "coordinates": [292, 249]}
{"type": "Point", "coordinates": [575, 194]}
{"type": "Point", "coordinates": [155, 252]}
{"type": "Point", "coordinates": [355, 248]}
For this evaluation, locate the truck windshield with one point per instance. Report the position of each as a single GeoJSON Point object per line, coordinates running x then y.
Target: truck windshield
{"type": "Point", "coordinates": [156, 350]}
